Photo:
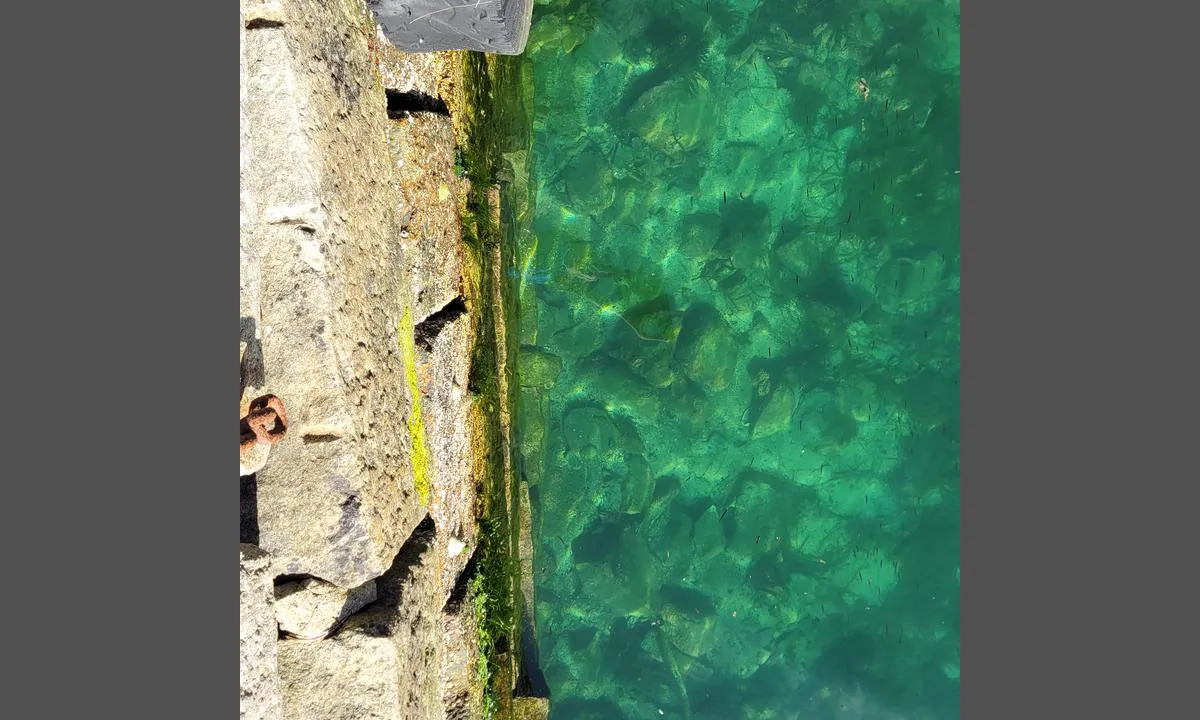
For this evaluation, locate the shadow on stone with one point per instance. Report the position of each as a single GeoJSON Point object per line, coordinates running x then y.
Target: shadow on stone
{"type": "Point", "coordinates": [428, 329]}
{"type": "Point", "coordinates": [401, 104]}
{"type": "Point", "coordinates": [530, 680]}
{"type": "Point", "coordinates": [253, 372]}
{"type": "Point", "coordinates": [459, 593]}
{"type": "Point", "coordinates": [249, 510]}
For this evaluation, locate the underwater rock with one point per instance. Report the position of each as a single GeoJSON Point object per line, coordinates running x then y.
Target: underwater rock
{"type": "Point", "coordinates": [531, 434]}
{"type": "Point", "coordinates": [669, 532]}
{"type": "Point", "coordinates": [776, 414]}
{"type": "Point", "coordinates": [654, 320]}
{"type": "Point", "coordinates": [745, 232]}
{"type": "Point", "coordinates": [556, 36]}
{"type": "Point", "coordinates": [588, 426]}
{"type": "Point", "coordinates": [706, 349]}
{"type": "Point", "coordinates": [906, 285]}
{"type": "Point", "coordinates": [738, 168]}
{"type": "Point", "coordinates": [798, 255]}
{"type": "Point", "coordinates": [708, 533]}
{"type": "Point", "coordinates": [530, 708]}
{"type": "Point", "coordinates": [858, 399]}
{"type": "Point", "coordinates": [651, 362]}
{"type": "Point", "coordinates": [643, 342]}
{"type": "Point", "coordinates": [589, 181]}
{"type": "Point", "coordinates": [619, 598]}
{"type": "Point", "coordinates": [824, 428]}
{"type": "Point", "coordinates": [621, 388]}
{"type": "Point", "coordinates": [538, 368]}
{"type": "Point", "coordinates": [688, 620]}
{"type": "Point", "coordinates": [698, 234]}
{"type": "Point", "coordinates": [677, 115]}
{"type": "Point", "coordinates": [638, 487]}
{"type": "Point", "coordinates": [633, 566]}
{"type": "Point", "coordinates": [721, 570]}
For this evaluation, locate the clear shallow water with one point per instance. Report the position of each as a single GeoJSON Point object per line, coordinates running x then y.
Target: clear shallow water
{"type": "Point", "coordinates": [740, 326]}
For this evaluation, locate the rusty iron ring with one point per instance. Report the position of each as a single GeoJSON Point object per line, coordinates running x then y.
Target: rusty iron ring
{"type": "Point", "coordinates": [266, 422]}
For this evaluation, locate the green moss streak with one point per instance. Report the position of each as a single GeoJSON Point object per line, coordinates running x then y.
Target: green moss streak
{"type": "Point", "coordinates": [416, 424]}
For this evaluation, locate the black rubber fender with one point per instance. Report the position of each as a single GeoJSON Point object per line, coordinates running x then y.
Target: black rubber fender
{"type": "Point", "coordinates": [493, 26]}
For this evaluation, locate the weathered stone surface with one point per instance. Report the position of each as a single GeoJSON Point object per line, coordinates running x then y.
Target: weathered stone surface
{"type": "Point", "coordinates": [461, 695]}
{"type": "Point", "coordinates": [254, 458]}
{"type": "Point", "coordinates": [325, 282]}
{"type": "Point", "coordinates": [384, 661]}
{"type": "Point", "coordinates": [525, 551]}
{"type": "Point", "coordinates": [260, 696]}
{"type": "Point", "coordinates": [428, 208]}
{"type": "Point", "coordinates": [446, 402]}
{"type": "Point", "coordinates": [263, 13]}
{"type": "Point", "coordinates": [349, 222]}
{"type": "Point", "coordinates": [311, 608]}
{"type": "Point", "coordinates": [352, 676]}
{"type": "Point", "coordinates": [422, 148]}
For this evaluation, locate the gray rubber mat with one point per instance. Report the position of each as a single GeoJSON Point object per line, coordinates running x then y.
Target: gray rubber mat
{"type": "Point", "coordinates": [495, 26]}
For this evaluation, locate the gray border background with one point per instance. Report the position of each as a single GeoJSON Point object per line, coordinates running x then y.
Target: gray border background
{"type": "Point", "coordinates": [120, 299]}
{"type": "Point", "coordinates": [1079, 409]}
{"type": "Point", "coordinates": [120, 292]}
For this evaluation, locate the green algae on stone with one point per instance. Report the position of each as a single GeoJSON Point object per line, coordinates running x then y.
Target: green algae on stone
{"type": "Point", "coordinates": [416, 424]}
{"type": "Point", "coordinates": [538, 368]}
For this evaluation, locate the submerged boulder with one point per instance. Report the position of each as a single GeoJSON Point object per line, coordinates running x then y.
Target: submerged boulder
{"type": "Point", "coordinates": [676, 116]}
{"type": "Point", "coordinates": [698, 234]}
{"type": "Point", "coordinates": [539, 368]}
{"type": "Point", "coordinates": [589, 181]}
{"type": "Point", "coordinates": [776, 413]}
{"type": "Point", "coordinates": [706, 348]}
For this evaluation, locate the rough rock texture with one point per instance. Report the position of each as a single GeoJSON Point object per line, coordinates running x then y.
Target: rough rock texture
{"type": "Point", "coordinates": [430, 222]}
{"type": "Point", "coordinates": [260, 697]}
{"type": "Point", "coordinates": [352, 677]}
{"type": "Point", "coordinates": [384, 661]}
{"type": "Point", "coordinates": [324, 287]}
{"type": "Point", "coordinates": [422, 148]}
{"type": "Point", "coordinates": [255, 458]}
{"type": "Point", "coordinates": [460, 659]}
{"type": "Point", "coordinates": [311, 608]}
{"type": "Point", "coordinates": [525, 552]}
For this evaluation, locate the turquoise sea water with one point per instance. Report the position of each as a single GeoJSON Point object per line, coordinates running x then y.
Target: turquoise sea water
{"type": "Point", "coordinates": [739, 321]}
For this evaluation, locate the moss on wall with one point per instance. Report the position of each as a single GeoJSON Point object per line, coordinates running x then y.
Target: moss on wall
{"type": "Point", "coordinates": [416, 424]}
